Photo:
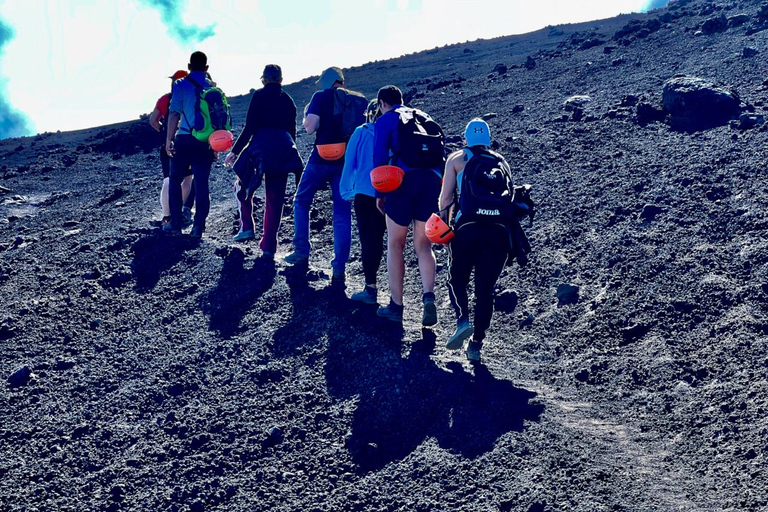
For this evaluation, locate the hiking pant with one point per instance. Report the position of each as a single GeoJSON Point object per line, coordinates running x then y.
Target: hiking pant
{"type": "Point", "coordinates": [315, 177]}
{"type": "Point", "coordinates": [484, 248]}
{"type": "Point", "coordinates": [196, 158]}
{"type": "Point", "coordinates": [274, 191]}
{"type": "Point", "coordinates": [371, 226]}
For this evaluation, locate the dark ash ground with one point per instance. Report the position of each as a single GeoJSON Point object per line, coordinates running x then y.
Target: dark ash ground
{"type": "Point", "coordinates": [147, 373]}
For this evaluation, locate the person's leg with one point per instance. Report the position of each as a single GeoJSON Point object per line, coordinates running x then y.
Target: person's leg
{"type": "Point", "coordinates": [426, 256]}
{"type": "Point", "coordinates": [342, 226]}
{"type": "Point", "coordinates": [164, 204]}
{"type": "Point", "coordinates": [491, 258]}
{"type": "Point", "coordinates": [189, 202]}
{"type": "Point", "coordinates": [371, 226]}
{"type": "Point", "coordinates": [396, 236]}
{"type": "Point", "coordinates": [245, 204]}
{"type": "Point", "coordinates": [201, 169]}
{"type": "Point", "coordinates": [179, 169]}
{"type": "Point", "coordinates": [274, 190]}
{"type": "Point", "coordinates": [459, 271]}
{"type": "Point", "coordinates": [186, 189]}
{"type": "Point", "coordinates": [310, 183]}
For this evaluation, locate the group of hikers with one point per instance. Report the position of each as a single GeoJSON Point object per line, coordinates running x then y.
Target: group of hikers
{"type": "Point", "coordinates": [382, 157]}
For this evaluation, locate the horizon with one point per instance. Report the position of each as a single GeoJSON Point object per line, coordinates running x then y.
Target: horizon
{"type": "Point", "coordinates": [99, 64]}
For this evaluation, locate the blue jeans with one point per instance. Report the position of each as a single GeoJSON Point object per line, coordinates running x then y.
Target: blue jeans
{"type": "Point", "coordinates": [315, 177]}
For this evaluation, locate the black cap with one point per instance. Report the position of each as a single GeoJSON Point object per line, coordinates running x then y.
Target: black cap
{"type": "Point", "coordinates": [272, 72]}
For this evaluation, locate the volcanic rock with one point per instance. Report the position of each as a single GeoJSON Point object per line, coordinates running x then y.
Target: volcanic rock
{"type": "Point", "coordinates": [20, 377]}
{"type": "Point", "coordinates": [695, 104]}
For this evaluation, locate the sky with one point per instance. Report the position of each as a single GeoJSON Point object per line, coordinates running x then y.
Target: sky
{"type": "Point", "coordinates": [71, 64]}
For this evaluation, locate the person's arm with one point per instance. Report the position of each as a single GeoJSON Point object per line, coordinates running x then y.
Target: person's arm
{"type": "Point", "coordinates": [311, 123]}
{"type": "Point", "coordinates": [154, 120]}
{"type": "Point", "coordinates": [449, 183]}
{"type": "Point", "coordinates": [312, 114]}
{"type": "Point", "coordinates": [173, 127]}
{"type": "Point", "coordinates": [383, 130]}
{"type": "Point", "coordinates": [292, 125]}
{"type": "Point", "coordinates": [248, 130]}
{"type": "Point", "coordinates": [351, 166]}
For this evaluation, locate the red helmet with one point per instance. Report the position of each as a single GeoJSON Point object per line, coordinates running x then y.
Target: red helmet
{"type": "Point", "coordinates": [386, 178]}
{"type": "Point", "coordinates": [331, 152]}
{"type": "Point", "coordinates": [221, 140]}
{"type": "Point", "coordinates": [437, 230]}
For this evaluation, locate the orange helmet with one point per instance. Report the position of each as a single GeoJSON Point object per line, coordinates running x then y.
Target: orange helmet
{"type": "Point", "coordinates": [386, 178]}
{"type": "Point", "coordinates": [437, 230]}
{"type": "Point", "coordinates": [221, 140]}
{"type": "Point", "coordinates": [332, 152]}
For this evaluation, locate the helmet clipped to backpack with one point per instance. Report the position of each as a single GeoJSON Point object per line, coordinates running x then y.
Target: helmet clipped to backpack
{"type": "Point", "coordinates": [437, 230]}
{"type": "Point", "coordinates": [387, 178]}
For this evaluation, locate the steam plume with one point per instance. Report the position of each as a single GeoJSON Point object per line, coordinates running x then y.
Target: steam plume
{"type": "Point", "coordinates": [654, 4]}
{"type": "Point", "coordinates": [170, 13]}
{"type": "Point", "coordinates": [12, 122]}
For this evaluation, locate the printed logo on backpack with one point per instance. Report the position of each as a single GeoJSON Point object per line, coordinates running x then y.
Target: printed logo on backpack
{"type": "Point", "coordinates": [486, 188]}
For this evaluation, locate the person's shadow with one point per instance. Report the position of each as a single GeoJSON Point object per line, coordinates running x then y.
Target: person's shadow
{"type": "Point", "coordinates": [237, 290]}
{"type": "Point", "coordinates": [403, 401]}
{"type": "Point", "coordinates": [155, 254]}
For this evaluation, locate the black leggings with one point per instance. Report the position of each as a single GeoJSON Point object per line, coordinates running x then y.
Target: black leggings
{"type": "Point", "coordinates": [483, 247]}
{"type": "Point", "coordinates": [371, 226]}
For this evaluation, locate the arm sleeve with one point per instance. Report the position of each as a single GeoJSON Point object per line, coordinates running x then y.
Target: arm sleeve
{"type": "Point", "coordinates": [383, 130]}
{"type": "Point", "coordinates": [351, 166]}
{"type": "Point", "coordinates": [248, 129]}
{"type": "Point", "coordinates": [177, 103]}
{"type": "Point", "coordinates": [292, 126]}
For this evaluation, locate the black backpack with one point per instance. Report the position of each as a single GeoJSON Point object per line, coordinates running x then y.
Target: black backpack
{"type": "Point", "coordinates": [486, 188]}
{"type": "Point", "coordinates": [348, 111]}
{"type": "Point", "coordinates": [421, 141]}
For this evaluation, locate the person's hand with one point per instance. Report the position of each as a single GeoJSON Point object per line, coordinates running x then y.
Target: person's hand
{"type": "Point", "coordinates": [170, 149]}
{"type": "Point", "coordinates": [380, 204]}
{"type": "Point", "coordinates": [230, 159]}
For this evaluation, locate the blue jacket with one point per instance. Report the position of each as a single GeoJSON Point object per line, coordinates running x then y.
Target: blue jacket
{"type": "Point", "coordinates": [184, 98]}
{"type": "Point", "coordinates": [358, 163]}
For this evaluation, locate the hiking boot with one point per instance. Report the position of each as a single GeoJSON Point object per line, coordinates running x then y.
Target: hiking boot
{"type": "Point", "coordinates": [367, 296]}
{"type": "Point", "coordinates": [473, 350]}
{"type": "Point", "coordinates": [197, 232]}
{"type": "Point", "coordinates": [429, 318]}
{"type": "Point", "coordinates": [296, 257]}
{"type": "Point", "coordinates": [186, 216]}
{"type": "Point", "coordinates": [244, 235]}
{"type": "Point", "coordinates": [463, 331]}
{"type": "Point", "coordinates": [392, 312]}
{"type": "Point", "coordinates": [168, 229]}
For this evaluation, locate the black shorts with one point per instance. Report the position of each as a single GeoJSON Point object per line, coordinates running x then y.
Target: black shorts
{"type": "Point", "coordinates": [415, 199]}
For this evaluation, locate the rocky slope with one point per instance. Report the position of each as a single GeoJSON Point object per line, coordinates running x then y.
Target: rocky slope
{"type": "Point", "coordinates": [625, 370]}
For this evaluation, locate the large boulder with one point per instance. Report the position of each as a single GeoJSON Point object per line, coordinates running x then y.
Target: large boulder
{"type": "Point", "coordinates": [695, 104]}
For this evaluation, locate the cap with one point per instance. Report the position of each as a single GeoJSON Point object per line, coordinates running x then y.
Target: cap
{"type": "Point", "coordinates": [272, 72]}
{"type": "Point", "coordinates": [477, 133]}
{"type": "Point", "coordinates": [179, 74]}
{"type": "Point", "coordinates": [329, 77]}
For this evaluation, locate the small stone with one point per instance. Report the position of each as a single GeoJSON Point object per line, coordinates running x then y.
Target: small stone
{"type": "Point", "coordinates": [650, 211]}
{"type": "Point", "coordinates": [489, 116]}
{"type": "Point", "coordinates": [749, 52]}
{"type": "Point", "coordinates": [20, 377]}
{"type": "Point", "coordinates": [567, 294]}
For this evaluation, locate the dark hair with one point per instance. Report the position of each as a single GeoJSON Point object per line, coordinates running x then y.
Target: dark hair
{"type": "Point", "coordinates": [198, 61]}
{"type": "Point", "coordinates": [390, 95]}
{"type": "Point", "coordinates": [272, 72]}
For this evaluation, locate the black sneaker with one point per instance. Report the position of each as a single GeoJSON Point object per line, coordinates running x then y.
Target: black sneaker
{"type": "Point", "coordinates": [463, 331]}
{"type": "Point", "coordinates": [168, 229]}
{"type": "Point", "coordinates": [367, 296]}
{"type": "Point", "coordinates": [197, 232]}
{"type": "Point", "coordinates": [429, 318]}
{"type": "Point", "coordinates": [392, 312]}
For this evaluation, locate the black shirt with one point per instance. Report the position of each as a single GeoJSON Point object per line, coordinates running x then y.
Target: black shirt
{"type": "Point", "coordinates": [270, 107]}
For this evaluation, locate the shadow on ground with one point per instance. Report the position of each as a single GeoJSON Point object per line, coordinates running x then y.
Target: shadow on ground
{"type": "Point", "coordinates": [156, 254]}
{"type": "Point", "coordinates": [237, 291]}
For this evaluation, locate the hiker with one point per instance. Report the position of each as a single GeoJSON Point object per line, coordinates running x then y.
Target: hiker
{"type": "Point", "coordinates": [189, 155]}
{"type": "Point", "coordinates": [356, 185]}
{"type": "Point", "coordinates": [481, 238]}
{"type": "Point", "coordinates": [413, 201]}
{"type": "Point", "coordinates": [267, 142]}
{"type": "Point", "coordinates": [157, 119]}
{"type": "Point", "coordinates": [324, 167]}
